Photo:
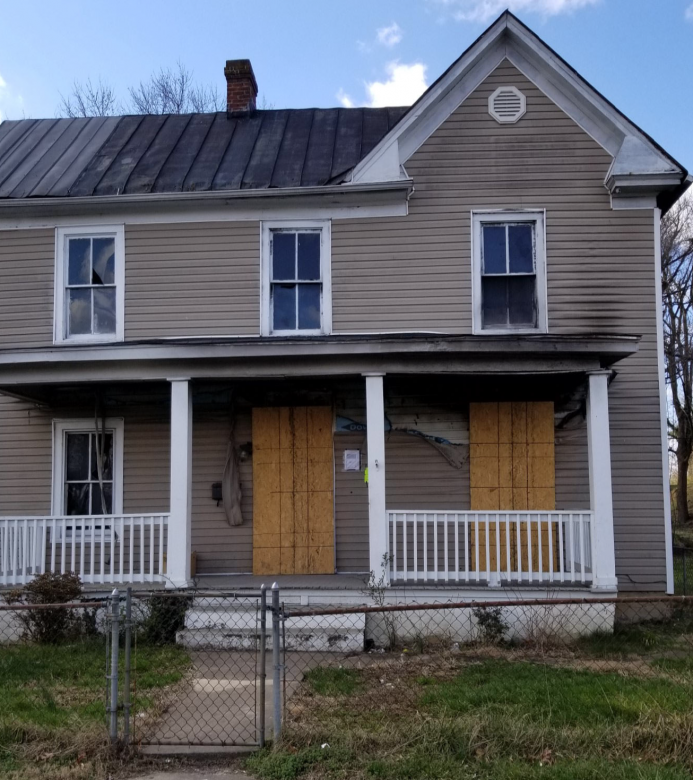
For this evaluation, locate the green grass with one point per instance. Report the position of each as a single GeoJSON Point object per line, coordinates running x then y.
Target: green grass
{"type": "Point", "coordinates": [333, 682]}
{"type": "Point", "coordinates": [500, 719]}
{"type": "Point", "coordinates": [561, 697]}
{"type": "Point", "coordinates": [642, 639]}
{"type": "Point", "coordinates": [52, 707]}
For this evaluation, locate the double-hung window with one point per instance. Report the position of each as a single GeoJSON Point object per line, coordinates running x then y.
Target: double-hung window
{"type": "Point", "coordinates": [89, 284]}
{"type": "Point", "coordinates": [296, 279]}
{"type": "Point", "coordinates": [509, 272]}
{"type": "Point", "coordinates": [87, 471]}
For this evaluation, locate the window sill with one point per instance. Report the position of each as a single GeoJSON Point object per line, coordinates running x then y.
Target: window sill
{"type": "Point", "coordinates": [108, 339]}
{"type": "Point", "coordinates": [296, 333]}
{"type": "Point", "coordinates": [509, 331]}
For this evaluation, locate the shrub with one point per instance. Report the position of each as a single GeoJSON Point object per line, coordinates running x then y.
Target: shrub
{"type": "Point", "coordinates": [49, 626]}
{"type": "Point", "coordinates": [491, 623]}
{"type": "Point", "coordinates": [166, 616]}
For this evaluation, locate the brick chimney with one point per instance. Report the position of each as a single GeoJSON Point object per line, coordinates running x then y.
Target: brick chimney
{"type": "Point", "coordinates": [241, 87]}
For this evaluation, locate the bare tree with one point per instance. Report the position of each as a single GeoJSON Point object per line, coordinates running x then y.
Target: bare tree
{"type": "Point", "coordinates": [170, 91]}
{"type": "Point", "coordinates": [677, 295]}
{"type": "Point", "coordinates": [88, 99]}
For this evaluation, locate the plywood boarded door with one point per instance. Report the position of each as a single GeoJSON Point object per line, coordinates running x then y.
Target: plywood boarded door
{"type": "Point", "coordinates": [512, 468]}
{"type": "Point", "coordinates": [293, 490]}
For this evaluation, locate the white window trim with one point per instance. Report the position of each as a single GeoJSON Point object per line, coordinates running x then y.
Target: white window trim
{"type": "Point", "coordinates": [85, 425]}
{"type": "Point", "coordinates": [538, 216]}
{"type": "Point", "coordinates": [62, 234]}
{"type": "Point", "coordinates": [325, 269]}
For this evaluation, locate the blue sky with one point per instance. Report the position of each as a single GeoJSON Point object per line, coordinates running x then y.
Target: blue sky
{"type": "Point", "coordinates": [639, 53]}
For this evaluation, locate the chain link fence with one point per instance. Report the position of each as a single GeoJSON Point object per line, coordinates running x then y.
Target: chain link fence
{"type": "Point", "coordinates": [209, 658]}
{"type": "Point", "coordinates": [683, 557]}
{"type": "Point", "coordinates": [535, 680]}
{"type": "Point", "coordinates": [527, 680]}
{"type": "Point", "coordinates": [54, 665]}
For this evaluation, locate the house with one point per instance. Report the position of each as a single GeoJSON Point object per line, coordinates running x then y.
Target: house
{"type": "Point", "coordinates": [306, 345]}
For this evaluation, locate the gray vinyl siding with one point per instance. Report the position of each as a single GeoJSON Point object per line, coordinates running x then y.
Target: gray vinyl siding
{"type": "Point", "coordinates": [27, 260]}
{"type": "Point", "coordinates": [395, 274]}
{"type": "Point", "coordinates": [572, 469]}
{"type": "Point", "coordinates": [26, 457]}
{"type": "Point", "coordinates": [192, 279]}
{"type": "Point", "coordinates": [414, 274]}
{"type": "Point", "coordinates": [220, 548]}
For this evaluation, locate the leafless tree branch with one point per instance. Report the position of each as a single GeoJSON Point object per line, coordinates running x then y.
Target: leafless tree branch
{"type": "Point", "coordinates": [677, 302]}
{"type": "Point", "coordinates": [169, 91]}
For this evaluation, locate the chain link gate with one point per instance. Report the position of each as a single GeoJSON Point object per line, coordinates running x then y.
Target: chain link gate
{"type": "Point", "coordinates": [209, 651]}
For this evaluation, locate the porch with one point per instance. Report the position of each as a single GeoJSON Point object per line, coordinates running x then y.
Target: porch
{"type": "Point", "coordinates": [419, 523]}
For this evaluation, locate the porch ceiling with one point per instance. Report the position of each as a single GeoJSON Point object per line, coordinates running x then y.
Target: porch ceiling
{"type": "Point", "coordinates": [313, 356]}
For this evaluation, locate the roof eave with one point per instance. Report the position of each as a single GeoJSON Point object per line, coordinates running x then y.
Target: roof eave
{"type": "Point", "coordinates": [405, 185]}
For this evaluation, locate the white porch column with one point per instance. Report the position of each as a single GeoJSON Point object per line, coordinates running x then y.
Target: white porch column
{"type": "Point", "coordinates": [601, 502]}
{"type": "Point", "coordinates": [378, 532]}
{"type": "Point", "coordinates": [179, 525]}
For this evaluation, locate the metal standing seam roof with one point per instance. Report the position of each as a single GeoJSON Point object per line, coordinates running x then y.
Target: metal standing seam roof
{"type": "Point", "coordinates": [58, 158]}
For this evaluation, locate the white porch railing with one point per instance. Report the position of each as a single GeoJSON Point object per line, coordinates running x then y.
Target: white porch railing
{"type": "Point", "coordinates": [490, 547]}
{"type": "Point", "coordinates": [101, 549]}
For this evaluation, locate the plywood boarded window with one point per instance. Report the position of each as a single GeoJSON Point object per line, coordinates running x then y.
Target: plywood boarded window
{"type": "Point", "coordinates": [512, 467]}
{"type": "Point", "coordinates": [293, 490]}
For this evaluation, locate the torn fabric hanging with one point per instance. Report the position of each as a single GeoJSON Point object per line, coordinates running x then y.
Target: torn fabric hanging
{"type": "Point", "coordinates": [231, 482]}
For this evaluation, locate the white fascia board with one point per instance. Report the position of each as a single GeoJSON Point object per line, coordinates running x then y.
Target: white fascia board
{"type": "Point", "coordinates": [381, 199]}
{"type": "Point", "coordinates": [582, 104]}
{"type": "Point", "coordinates": [449, 100]}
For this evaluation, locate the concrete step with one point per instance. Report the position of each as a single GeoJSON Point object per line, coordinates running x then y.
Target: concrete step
{"type": "Point", "coordinates": [220, 628]}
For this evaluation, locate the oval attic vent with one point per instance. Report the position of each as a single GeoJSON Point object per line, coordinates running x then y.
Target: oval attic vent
{"type": "Point", "coordinates": [507, 104]}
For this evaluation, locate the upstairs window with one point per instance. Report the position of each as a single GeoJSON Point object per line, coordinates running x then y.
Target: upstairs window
{"type": "Point", "coordinates": [89, 284]}
{"type": "Point", "coordinates": [296, 279]}
{"type": "Point", "coordinates": [509, 276]}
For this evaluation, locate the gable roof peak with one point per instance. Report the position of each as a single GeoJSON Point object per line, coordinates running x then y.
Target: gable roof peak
{"type": "Point", "coordinates": [510, 38]}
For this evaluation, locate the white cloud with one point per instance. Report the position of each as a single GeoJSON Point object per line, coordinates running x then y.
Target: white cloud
{"type": "Point", "coordinates": [3, 93]}
{"type": "Point", "coordinates": [389, 36]}
{"type": "Point", "coordinates": [405, 83]}
{"type": "Point", "coordinates": [344, 99]}
{"type": "Point", "coordinates": [486, 10]}
{"type": "Point", "coordinates": [402, 87]}
{"type": "Point", "coordinates": [11, 104]}
{"type": "Point", "coordinates": [689, 13]}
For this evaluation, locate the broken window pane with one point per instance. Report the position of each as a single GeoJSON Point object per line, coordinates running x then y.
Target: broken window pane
{"type": "Point", "coordinates": [103, 270]}
{"type": "Point", "coordinates": [284, 306]}
{"type": "Point", "coordinates": [105, 310]}
{"type": "Point", "coordinates": [283, 256]}
{"type": "Point", "coordinates": [520, 249]}
{"type": "Point", "coordinates": [77, 456]}
{"type": "Point", "coordinates": [79, 261]}
{"type": "Point", "coordinates": [79, 319]}
{"type": "Point", "coordinates": [309, 256]}
{"type": "Point", "coordinates": [309, 307]}
{"type": "Point", "coordinates": [494, 253]}
{"type": "Point", "coordinates": [521, 308]}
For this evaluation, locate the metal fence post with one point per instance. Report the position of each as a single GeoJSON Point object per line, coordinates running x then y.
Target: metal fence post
{"type": "Point", "coordinates": [276, 658]}
{"type": "Point", "coordinates": [263, 661]}
{"type": "Point", "coordinates": [115, 642]}
{"type": "Point", "coordinates": [126, 671]}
